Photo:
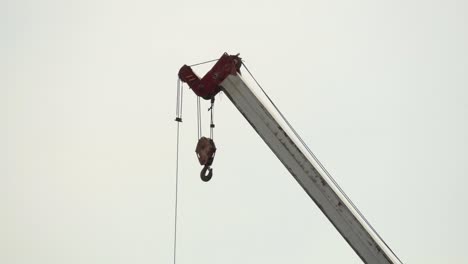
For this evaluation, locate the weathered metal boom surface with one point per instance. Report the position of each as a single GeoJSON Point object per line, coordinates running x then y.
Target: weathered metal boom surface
{"type": "Point", "coordinates": [302, 168]}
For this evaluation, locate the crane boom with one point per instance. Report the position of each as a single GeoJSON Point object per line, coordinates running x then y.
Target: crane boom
{"type": "Point", "coordinates": [225, 76]}
{"type": "Point", "coordinates": [304, 171]}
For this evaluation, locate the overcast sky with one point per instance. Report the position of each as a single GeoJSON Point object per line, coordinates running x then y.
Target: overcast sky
{"type": "Point", "coordinates": [378, 90]}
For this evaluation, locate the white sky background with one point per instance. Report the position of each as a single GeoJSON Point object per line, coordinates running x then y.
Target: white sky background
{"type": "Point", "coordinates": [378, 89]}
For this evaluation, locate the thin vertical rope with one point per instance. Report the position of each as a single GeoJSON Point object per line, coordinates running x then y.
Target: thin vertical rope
{"type": "Point", "coordinates": [181, 97]}
{"type": "Point", "coordinates": [178, 97]}
{"type": "Point", "coordinates": [199, 117]}
{"type": "Point", "coordinates": [211, 122]}
{"type": "Point", "coordinates": [176, 194]}
{"type": "Point", "coordinates": [178, 120]}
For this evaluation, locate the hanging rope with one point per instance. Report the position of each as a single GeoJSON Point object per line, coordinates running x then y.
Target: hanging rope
{"type": "Point", "coordinates": [176, 194]}
{"type": "Point", "coordinates": [199, 125]}
{"type": "Point", "coordinates": [179, 99]}
{"type": "Point", "coordinates": [320, 164]}
{"type": "Point", "coordinates": [211, 120]}
{"type": "Point", "coordinates": [199, 115]}
{"type": "Point", "coordinates": [178, 119]}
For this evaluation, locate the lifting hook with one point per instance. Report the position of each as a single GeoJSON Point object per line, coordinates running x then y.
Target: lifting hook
{"type": "Point", "coordinates": [206, 177]}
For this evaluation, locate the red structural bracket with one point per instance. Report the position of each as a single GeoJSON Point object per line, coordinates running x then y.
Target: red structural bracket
{"type": "Point", "coordinates": [208, 86]}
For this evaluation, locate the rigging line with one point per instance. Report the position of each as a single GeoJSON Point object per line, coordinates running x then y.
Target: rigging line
{"type": "Point", "coordinates": [199, 118]}
{"type": "Point", "coordinates": [176, 194]}
{"type": "Point", "coordinates": [211, 123]}
{"type": "Point", "coordinates": [365, 220]}
{"type": "Point", "coordinates": [319, 163]}
{"type": "Point", "coordinates": [345, 195]}
{"type": "Point", "coordinates": [178, 120]}
{"type": "Point", "coordinates": [181, 97]}
{"type": "Point", "coordinates": [177, 98]}
{"type": "Point", "coordinates": [298, 136]}
{"type": "Point", "coordinates": [196, 64]}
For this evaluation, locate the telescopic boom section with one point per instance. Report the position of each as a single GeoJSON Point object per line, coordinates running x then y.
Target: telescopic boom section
{"type": "Point", "coordinates": [307, 173]}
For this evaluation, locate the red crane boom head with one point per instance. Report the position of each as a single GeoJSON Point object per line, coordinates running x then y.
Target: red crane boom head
{"type": "Point", "coordinates": [208, 86]}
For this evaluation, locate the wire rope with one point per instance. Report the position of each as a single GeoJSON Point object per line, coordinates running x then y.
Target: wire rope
{"type": "Point", "coordinates": [320, 164]}
{"type": "Point", "coordinates": [178, 120]}
{"type": "Point", "coordinates": [205, 62]}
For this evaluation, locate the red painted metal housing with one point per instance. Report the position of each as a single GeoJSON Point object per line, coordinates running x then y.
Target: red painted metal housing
{"type": "Point", "coordinates": [208, 86]}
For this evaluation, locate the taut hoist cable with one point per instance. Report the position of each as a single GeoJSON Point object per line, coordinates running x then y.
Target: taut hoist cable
{"type": "Point", "coordinates": [178, 119]}
{"type": "Point", "coordinates": [201, 63]}
{"type": "Point", "coordinates": [211, 109]}
{"type": "Point", "coordinates": [199, 126]}
{"type": "Point", "coordinates": [341, 191]}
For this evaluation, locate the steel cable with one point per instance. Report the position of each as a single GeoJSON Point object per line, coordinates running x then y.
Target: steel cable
{"type": "Point", "coordinates": [320, 164]}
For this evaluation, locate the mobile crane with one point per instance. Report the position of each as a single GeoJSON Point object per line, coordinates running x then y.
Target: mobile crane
{"type": "Point", "coordinates": [289, 148]}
